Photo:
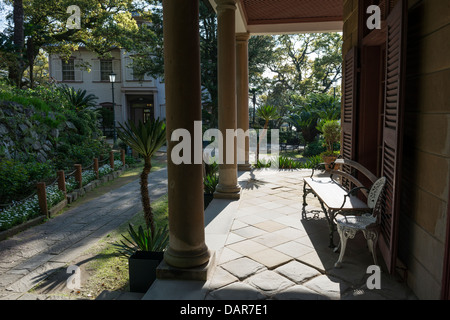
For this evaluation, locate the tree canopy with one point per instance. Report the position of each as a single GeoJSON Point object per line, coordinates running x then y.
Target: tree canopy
{"type": "Point", "coordinates": [104, 25]}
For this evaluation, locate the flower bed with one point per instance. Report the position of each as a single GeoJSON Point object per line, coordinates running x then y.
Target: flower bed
{"type": "Point", "coordinates": [22, 211]}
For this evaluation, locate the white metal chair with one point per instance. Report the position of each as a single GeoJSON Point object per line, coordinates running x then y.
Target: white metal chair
{"type": "Point", "coordinates": [348, 226]}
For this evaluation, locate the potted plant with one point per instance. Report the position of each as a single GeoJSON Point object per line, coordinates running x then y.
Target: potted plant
{"type": "Point", "coordinates": [331, 131]}
{"type": "Point", "coordinates": [144, 252]}
{"type": "Point", "coordinates": [145, 248]}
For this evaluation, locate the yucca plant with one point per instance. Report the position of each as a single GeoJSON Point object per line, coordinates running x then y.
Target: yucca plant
{"type": "Point", "coordinates": [143, 240]}
{"type": "Point", "coordinates": [146, 139]}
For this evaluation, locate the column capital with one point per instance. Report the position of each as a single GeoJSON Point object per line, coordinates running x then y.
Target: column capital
{"type": "Point", "coordinates": [242, 37]}
{"type": "Point", "coordinates": [226, 4]}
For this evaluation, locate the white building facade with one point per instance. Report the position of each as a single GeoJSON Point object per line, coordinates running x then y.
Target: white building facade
{"type": "Point", "coordinates": [136, 99]}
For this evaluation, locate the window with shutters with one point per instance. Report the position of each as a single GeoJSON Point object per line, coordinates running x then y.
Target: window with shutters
{"type": "Point", "coordinates": [361, 92]}
{"type": "Point", "coordinates": [106, 68]}
{"type": "Point", "coordinates": [68, 70]}
{"type": "Point", "coordinates": [349, 107]}
{"type": "Point", "coordinates": [396, 25]}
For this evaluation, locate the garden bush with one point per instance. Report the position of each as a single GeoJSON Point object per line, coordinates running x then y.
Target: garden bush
{"type": "Point", "coordinates": [18, 179]}
{"type": "Point", "coordinates": [314, 148]}
{"type": "Point", "coordinates": [41, 133]}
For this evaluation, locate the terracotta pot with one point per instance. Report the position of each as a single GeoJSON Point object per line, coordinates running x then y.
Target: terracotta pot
{"type": "Point", "coordinates": [328, 160]}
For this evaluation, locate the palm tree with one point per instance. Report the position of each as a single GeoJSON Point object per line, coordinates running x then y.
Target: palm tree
{"type": "Point", "coordinates": [146, 139]}
{"type": "Point", "coordinates": [79, 100]}
{"type": "Point", "coordinates": [266, 113]}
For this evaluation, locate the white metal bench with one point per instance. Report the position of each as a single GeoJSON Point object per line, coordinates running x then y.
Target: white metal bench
{"type": "Point", "coordinates": [334, 197]}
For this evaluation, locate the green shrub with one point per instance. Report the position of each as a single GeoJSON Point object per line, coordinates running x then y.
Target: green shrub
{"type": "Point", "coordinates": [13, 176]}
{"type": "Point", "coordinates": [262, 164]}
{"type": "Point", "coordinates": [40, 171]}
{"type": "Point", "coordinates": [24, 100]}
{"type": "Point", "coordinates": [210, 183]}
{"type": "Point", "coordinates": [288, 163]}
{"type": "Point", "coordinates": [314, 148]}
{"type": "Point", "coordinates": [18, 179]}
{"type": "Point", "coordinates": [312, 162]}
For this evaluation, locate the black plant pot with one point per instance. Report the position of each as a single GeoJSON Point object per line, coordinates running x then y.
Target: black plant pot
{"type": "Point", "coordinates": [142, 269]}
{"type": "Point", "coordinates": [208, 197]}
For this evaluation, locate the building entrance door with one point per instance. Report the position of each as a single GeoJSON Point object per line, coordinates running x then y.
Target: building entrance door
{"type": "Point", "coordinates": [141, 108]}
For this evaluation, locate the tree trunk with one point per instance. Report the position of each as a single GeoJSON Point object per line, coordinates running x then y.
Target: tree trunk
{"type": "Point", "coordinates": [31, 56]}
{"type": "Point", "coordinates": [148, 215]}
{"type": "Point", "coordinates": [16, 71]}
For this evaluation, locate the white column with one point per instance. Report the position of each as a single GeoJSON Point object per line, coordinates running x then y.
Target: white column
{"type": "Point", "coordinates": [242, 97]}
{"type": "Point", "coordinates": [187, 248]}
{"type": "Point", "coordinates": [228, 185]}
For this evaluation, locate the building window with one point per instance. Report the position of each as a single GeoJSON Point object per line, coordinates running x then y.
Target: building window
{"type": "Point", "coordinates": [68, 70]}
{"type": "Point", "coordinates": [136, 75]}
{"type": "Point", "coordinates": [105, 69]}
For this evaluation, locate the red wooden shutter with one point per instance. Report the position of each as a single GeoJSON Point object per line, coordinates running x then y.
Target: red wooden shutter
{"type": "Point", "coordinates": [349, 108]}
{"type": "Point", "coordinates": [392, 130]}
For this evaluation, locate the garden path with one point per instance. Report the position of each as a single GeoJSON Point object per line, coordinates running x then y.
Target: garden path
{"type": "Point", "coordinates": [31, 256]}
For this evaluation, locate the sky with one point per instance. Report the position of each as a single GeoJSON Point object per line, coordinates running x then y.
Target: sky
{"type": "Point", "coordinates": [4, 11]}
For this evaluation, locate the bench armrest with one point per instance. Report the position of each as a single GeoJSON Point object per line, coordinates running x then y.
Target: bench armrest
{"type": "Point", "coordinates": [317, 167]}
{"type": "Point", "coordinates": [352, 192]}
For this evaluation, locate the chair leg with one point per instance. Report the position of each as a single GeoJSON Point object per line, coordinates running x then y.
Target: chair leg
{"type": "Point", "coordinates": [372, 238]}
{"type": "Point", "coordinates": [304, 201]}
{"type": "Point", "coordinates": [343, 245]}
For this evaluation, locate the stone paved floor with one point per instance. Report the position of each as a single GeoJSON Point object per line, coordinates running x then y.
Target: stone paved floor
{"type": "Point", "coordinates": [264, 250]}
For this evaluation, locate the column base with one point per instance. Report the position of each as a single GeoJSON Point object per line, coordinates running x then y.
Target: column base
{"type": "Point", "coordinates": [226, 192]}
{"type": "Point", "coordinates": [198, 273]}
{"type": "Point", "coordinates": [186, 259]}
{"type": "Point", "coordinates": [245, 167]}
{"type": "Point", "coordinates": [227, 195]}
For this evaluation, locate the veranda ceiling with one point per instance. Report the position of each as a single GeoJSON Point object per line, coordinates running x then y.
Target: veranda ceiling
{"type": "Point", "coordinates": [288, 16]}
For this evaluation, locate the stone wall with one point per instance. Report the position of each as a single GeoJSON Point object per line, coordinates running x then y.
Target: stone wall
{"type": "Point", "coordinates": [426, 158]}
{"type": "Point", "coordinates": [25, 133]}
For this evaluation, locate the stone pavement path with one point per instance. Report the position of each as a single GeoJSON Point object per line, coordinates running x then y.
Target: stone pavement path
{"type": "Point", "coordinates": [272, 253]}
{"type": "Point", "coordinates": [264, 250]}
{"type": "Point", "coordinates": [31, 256]}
